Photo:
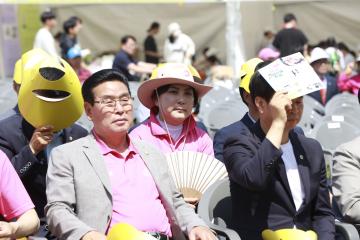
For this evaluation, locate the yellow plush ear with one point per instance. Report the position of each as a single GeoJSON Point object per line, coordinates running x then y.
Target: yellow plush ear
{"type": "Point", "coordinates": [311, 235]}
{"type": "Point", "coordinates": [269, 235]}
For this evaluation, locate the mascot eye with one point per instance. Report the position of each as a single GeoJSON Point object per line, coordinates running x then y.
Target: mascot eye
{"type": "Point", "coordinates": [51, 74]}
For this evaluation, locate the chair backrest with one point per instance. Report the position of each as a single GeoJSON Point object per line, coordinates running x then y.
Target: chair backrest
{"type": "Point", "coordinates": [332, 134]}
{"type": "Point", "coordinates": [340, 100]}
{"type": "Point", "coordinates": [215, 204]}
{"type": "Point", "coordinates": [349, 112]}
{"type": "Point", "coordinates": [225, 114]}
{"type": "Point", "coordinates": [314, 105]}
{"type": "Point", "coordinates": [309, 120]}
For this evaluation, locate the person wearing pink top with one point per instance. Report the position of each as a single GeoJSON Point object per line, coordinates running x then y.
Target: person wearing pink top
{"type": "Point", "coordinates": [170, 94]}
{"type": "Point", "coordinates": [350, 83]}
{"type": "Point", "coordinates": [108, 177]}
{"type": "Point", "coordinates": [17, 215]}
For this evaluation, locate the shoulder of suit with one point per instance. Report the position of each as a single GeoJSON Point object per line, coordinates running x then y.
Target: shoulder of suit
{"type": "Point", "coordinates": [77, 130]}
{"type": "Point", "coordinates": [14, 119]}
{"type": "Point", "coordinates": [309, 142]}
{"type": "Point", "coordinates": [232, 128]}
{"type": "Point", "coordinates": [351, 146]}
{"type": "Point", "coordinates": [77, 144]}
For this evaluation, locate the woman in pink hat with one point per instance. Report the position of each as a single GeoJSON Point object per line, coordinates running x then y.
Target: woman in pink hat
{"type": "Point", "coordinates": [170, 94]}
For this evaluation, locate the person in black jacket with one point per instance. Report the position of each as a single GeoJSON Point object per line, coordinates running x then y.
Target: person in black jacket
{"type": "Point", "coordinates": [249, 118]}
{"type": "Point", "coordinates": [152, 54]}
{"type": "Point", "coordinates": [28, 147]}
{"type": "Point", "coordinates": [277, 176]}
{"type": "Point", "coordinates": [290, 39]}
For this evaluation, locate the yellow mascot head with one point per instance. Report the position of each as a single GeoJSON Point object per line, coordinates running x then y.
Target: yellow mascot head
{"type": "Point", "coordinates": [288, 234]}
{"type": "Point", "coordinates": [50, 92]}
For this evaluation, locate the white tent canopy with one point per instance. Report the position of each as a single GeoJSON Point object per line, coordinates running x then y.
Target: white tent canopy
{"type": "Point", "coordinates": [207, 23]}
{"type": "Point", "coordinates": [235, 30]}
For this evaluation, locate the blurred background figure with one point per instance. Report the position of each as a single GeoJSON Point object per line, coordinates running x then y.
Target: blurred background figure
{"type": "Point", "coordinates": [319, 60]}
{"type": "Point", "coordinates": [44, 39]}
{"type": "Point", "coordinates": [73, 57]}
{"type": "Point", "coordinates": [179, 47]}
{"type": "Point", "coordinates": [208, 59]}
{"type": "Point", "coordinates": [268, 38]}
{"type": "Point", "coordinates": [346, 56]}
{"type": "Point", "coordinates": [290, 39]}
{"type": "Point", "coordinates": [268, 54]}
{"type": "Point", "coordinates": [68, 39]}
{"type": "Point", "coordinates": [349, 80]}
{"type": "Point", "coordinates": [126, 63]}
{"type": "Point", "coordinates": [152, 54]}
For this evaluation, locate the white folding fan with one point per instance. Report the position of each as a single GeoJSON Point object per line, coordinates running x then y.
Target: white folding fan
{"type": "Point", "coordinates": [194, 172]}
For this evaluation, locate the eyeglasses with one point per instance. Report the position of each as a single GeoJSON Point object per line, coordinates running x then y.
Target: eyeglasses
{"type": "Point", "coordinates": [110, 103]}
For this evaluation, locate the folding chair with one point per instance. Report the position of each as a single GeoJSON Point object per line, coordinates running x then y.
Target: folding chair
{"type": "Point", "coordinates": [340, 100]}
{"type": "Point", "coordinates": [332, 134]}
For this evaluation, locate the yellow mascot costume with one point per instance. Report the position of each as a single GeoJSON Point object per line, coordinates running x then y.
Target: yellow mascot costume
{"type": "Point", "coordinates": [124, 231]}
{"type": "Point", "coordinates": [50, 92]}
{"type": "Point", "coordinates": [288, 234]}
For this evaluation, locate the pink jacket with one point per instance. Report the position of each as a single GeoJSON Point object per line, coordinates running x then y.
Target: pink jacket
{"type": "Point", "coordinates": [349, 84]}
{"type": "Point", "coordinates": [195, 140]}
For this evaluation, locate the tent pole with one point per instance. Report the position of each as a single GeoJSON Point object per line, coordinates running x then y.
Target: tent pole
{"type": "Point", "coordinates": [234, 37]}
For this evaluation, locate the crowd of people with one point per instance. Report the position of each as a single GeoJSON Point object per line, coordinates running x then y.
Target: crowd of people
{"type": "Point", "coordinates": [68, 183]}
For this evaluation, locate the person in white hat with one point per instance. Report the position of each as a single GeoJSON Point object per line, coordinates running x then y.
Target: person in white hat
{"type": "Point", "coordinates": [319, 60]}
{"type": "Point", "coordinates": [179, 47]}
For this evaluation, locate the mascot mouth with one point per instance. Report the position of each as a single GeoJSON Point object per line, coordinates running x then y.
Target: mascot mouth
{"type": "Point", "coordinates": [51, 95]}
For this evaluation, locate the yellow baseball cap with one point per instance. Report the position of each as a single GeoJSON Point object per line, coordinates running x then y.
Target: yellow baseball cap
{"type": "Point", "coordinates": [246, 72]}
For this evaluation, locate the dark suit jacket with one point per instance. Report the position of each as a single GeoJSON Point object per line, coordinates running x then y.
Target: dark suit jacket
{"type": "Point", "coordinates": [260, 190]}
{"type": "Point", "coordinates": [235, 128]}
{"type": "Point", "coordinates": [15, 135]}
{"type": "Point", "coordinates": [331, 89]}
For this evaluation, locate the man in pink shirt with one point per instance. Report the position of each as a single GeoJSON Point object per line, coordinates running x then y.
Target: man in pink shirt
{"type": "Point", "coordinates": [108, 178]}
{"type": "Point", "coordinates": [16, 207]}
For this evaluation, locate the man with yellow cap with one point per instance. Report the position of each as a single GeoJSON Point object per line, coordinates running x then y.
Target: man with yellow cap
{"type": "Point", "coordinates": [247, 70]}
{"type": "Point", "coordinates": [49, 102]}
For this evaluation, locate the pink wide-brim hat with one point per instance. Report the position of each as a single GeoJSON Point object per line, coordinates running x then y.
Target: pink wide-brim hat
{"type": "Point", "coordinates": [165, 74]}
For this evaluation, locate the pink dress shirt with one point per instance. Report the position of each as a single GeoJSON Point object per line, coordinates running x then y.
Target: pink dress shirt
{"type": "Point", "coordinates": [136, 199]}
{"type": "Point", "coordinates": [14, 200]}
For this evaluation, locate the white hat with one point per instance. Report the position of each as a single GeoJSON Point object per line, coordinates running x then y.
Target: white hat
{"type": "Point", "coordinates": [317, 54]}
{"type": "Point", "coordinates": [211, 52]}
{"type": "Point", "coordinates": [173, 28]}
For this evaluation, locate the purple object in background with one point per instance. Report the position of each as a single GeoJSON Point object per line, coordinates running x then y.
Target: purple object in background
{"type": "Point", "coordinates": [9, 39]}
